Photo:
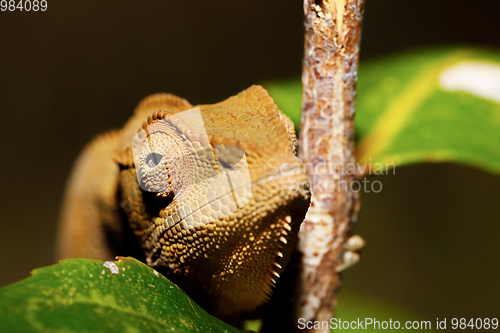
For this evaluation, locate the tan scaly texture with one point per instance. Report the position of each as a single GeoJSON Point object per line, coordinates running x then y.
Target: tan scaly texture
{"type": "Point", "coordinates": [230, 265]}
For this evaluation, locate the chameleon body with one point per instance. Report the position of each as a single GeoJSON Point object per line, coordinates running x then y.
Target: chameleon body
{"type": "Point", "coordinates": [229, 262]}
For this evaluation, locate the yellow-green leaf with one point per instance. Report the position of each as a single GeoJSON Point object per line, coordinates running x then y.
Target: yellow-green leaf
{"type": "Point", "coordinates": [440, 105]}
{"type": "Point", "coordinates": [83, 295]}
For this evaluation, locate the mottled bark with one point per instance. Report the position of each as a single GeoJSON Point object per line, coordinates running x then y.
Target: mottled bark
{"type": "Point", "coordinates": [332, 36]}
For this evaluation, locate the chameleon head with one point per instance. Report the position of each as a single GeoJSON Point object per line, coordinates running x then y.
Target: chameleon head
{"type": "Point", "coordinates": [228, 204]}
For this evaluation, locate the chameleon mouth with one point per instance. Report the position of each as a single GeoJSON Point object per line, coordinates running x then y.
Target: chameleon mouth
{"type": "Point", "coordinates": [156, 203]}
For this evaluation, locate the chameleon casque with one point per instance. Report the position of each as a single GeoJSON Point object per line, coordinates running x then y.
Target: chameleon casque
{"type": "Point", "coordinates": [227, 259]}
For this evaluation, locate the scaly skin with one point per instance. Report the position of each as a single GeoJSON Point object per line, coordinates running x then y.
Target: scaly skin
{"type": "Point", "coordinates": [229, 264]}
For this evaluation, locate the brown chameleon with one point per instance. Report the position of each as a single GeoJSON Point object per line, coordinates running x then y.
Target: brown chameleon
{"type": "Point", "coordinates": [152, 190]}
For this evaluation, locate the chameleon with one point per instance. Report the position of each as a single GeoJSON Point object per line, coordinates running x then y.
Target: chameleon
{"type": "Point", "coordinates": [150, 201]}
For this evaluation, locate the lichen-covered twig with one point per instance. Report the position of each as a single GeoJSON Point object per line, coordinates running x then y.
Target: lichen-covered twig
{"type": "Point", "coordinates": [332, 36]}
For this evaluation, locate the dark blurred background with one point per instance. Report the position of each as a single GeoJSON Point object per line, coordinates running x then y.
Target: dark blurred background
{"type": "Point", "coordinates": [80, 68]}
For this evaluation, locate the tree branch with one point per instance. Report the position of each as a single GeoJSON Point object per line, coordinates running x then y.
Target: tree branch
{"type": "Point", "coordinates": [332, 36]}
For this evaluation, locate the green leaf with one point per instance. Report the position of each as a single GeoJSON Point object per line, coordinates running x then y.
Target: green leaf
{"type": "Point", "coordinates": [82, 295]}
{"type": "Point", "coordinates": [440, 105]}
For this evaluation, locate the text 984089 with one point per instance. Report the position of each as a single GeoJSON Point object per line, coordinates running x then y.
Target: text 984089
{"type": "Point", "coordinates": [23, 5]}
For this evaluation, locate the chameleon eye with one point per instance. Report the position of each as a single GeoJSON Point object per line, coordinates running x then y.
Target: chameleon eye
{"type": "Point", "coordinates": [153, 160]}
